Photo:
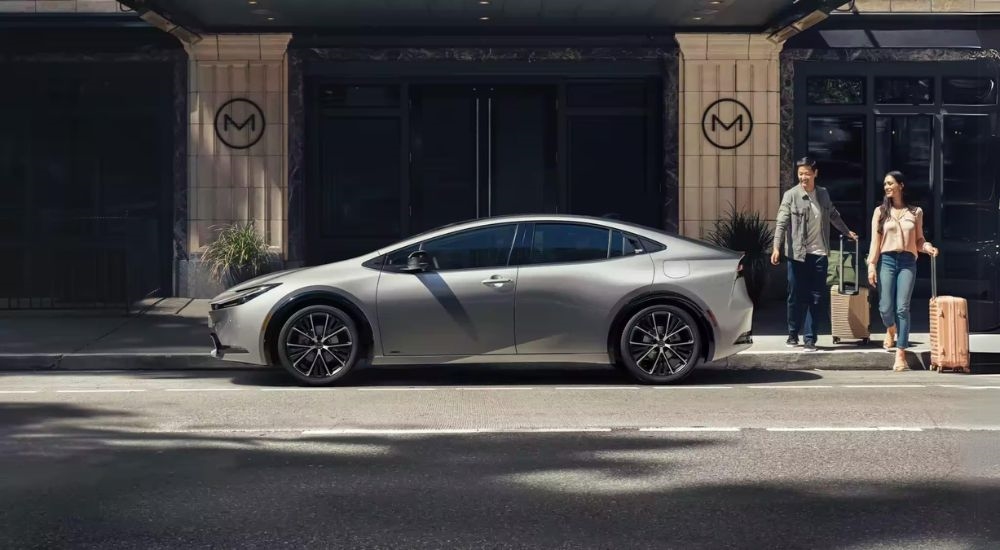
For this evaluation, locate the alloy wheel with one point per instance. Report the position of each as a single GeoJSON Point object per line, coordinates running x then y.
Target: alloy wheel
{"type": "Point", "coordinates": [662, 343]}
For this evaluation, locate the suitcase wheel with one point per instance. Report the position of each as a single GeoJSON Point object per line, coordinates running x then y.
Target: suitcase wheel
{"type": "Point", "coordinates": [836, 339]}
{"type": "Point", "coordinates": [865, 341]}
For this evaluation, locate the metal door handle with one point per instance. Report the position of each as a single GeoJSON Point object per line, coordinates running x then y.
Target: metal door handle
{"type": "Point", "coordinates": [497, 281]}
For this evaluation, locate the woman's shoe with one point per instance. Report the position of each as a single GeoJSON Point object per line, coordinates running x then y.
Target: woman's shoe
{"type": "Point", "coordinates": [890, 339]}
{"type": "Point", "coordinates": [900, 364]}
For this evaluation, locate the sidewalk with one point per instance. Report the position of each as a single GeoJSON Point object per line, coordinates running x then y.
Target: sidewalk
{"type": "Point", "coordinates": [172, 333]}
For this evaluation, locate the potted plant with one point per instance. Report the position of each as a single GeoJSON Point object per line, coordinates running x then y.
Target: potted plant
{"type": "Point", "coordinates": [746, 232]}
{"type": "Point", "coordinates": [239, 253]}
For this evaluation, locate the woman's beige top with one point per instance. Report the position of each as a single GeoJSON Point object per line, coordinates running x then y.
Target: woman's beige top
{"type": "Point", "coordinates": [902, 231]}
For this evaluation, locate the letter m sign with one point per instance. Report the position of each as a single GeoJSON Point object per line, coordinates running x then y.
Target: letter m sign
{"type": "Point", "coordinates": [252, 121]}
{"type": "Point", "coordinates": [718, 121]}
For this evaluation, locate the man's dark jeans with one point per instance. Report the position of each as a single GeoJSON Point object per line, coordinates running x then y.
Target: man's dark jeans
{"type": "Point", "coordinates": [807, 294]}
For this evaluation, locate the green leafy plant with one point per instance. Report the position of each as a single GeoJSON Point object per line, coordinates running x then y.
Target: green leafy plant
{"type": "Point", "coordinates": [747, 232]}
{"type": "Point", "coordinates": [238, 253]}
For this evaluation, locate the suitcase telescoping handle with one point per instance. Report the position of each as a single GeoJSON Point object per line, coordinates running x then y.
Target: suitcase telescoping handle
{"type": "Point", "coordinates": [840, 269]}
{"type": "Point", "coordinates": [933, 277]}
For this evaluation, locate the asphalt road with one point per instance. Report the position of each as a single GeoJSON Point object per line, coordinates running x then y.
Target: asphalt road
{"type": "Point", "coordinates": [499, 458]}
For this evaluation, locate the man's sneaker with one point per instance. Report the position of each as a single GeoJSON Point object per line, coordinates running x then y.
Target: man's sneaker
{"type": "Point", "coordinates": [792, 341]}
{"type": "Point", "coordinates": [810, 346]}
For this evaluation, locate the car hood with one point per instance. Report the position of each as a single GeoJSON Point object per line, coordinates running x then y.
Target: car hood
{"type": "Point", "coordinates": [275, 277]}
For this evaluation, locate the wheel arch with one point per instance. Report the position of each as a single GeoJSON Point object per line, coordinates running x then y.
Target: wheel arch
{"type": "Point", "coordinates": [701, 315]}
{"type": "Point", "coordinates": [311, 297]}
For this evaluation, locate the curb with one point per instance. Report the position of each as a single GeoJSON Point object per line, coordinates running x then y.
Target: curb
{"type": "Point", "coordinates": [781, 361]}
{"type": "Point", "coordinates": [117, 361]}
{"type": "Point", "coordinates": [821, 360]}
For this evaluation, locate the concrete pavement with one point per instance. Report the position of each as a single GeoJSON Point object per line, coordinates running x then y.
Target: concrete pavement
{"type": "Point", "coordinates": [172, 333]}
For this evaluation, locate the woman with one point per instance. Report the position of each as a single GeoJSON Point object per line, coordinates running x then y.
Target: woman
{"type": "Point", "coordinates": [897, 236]}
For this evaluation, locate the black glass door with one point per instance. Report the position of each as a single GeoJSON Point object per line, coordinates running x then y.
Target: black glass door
{"type": "Point", "coordinates": [968, 210]}
{"type": "Point", "coordinates": [480, 151]}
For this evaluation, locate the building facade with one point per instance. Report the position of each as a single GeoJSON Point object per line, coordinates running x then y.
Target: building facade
{"type": "Point", "coordinates": [136, 129]}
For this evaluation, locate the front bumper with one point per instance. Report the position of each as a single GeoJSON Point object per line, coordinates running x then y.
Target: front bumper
{"type": "Point", "coordinates": [235, 337]}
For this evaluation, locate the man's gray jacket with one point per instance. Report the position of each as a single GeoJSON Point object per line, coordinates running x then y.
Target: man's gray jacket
{"type": "Point", "coordinates": [794, 216]}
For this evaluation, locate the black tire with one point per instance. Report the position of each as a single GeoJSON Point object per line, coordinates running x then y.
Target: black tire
{"type": "Point", "coordinates": [677, 343]}
{"type": "Point", "coordinates": [323, 337]}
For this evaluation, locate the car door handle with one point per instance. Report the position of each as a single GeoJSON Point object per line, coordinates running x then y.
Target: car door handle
{"type": "Point", "coordinates": [497, 280]}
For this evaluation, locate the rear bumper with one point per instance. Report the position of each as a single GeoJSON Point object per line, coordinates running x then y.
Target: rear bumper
{"type": "Point", "coordinates": [734, 329]}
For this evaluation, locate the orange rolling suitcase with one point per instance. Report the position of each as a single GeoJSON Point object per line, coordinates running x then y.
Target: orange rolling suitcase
{"type": "Point", "coordinates": [949, 320]}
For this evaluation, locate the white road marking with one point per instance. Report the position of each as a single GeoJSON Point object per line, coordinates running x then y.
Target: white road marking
{"type": "Point", "coordinates": [298, 389]}
{"type": "Point", "coordinates": [397, 389]}
{"type": "Point", "coordinates": [18, 391]}
{"type": "Point", "coordinates": [590, 388]}
{"type": "Point", "coordinates": [799, 387]}
{"type": "Point", "coordinates": [491, 389]}
{"type": "Point", "coordinates": [100, 391]}
{"type": "Point", "coordinates": [448, 431]}
{"type": "Point", "coordinates": [692, 387]}
{"type": "Point", "coordinates": [847, 429]}
{"type": "Point", "coordinates": [689, 429]}
{"type": "Point", "coordinates": [893, 386]}
{"type": "Point", "coordinates": [202, 389]}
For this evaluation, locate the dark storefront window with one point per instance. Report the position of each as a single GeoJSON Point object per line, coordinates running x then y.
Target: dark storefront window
{"type": "Point", "coordinates": [835, 91]}
{"type": "Point", "coordinates": [904, 91]}
{"type": "Point", "coordinates": [969, 91]}
{"type": "Point", "coordinates": [934, 122]}
{"type": "Point", "coordinates": [86, 183]}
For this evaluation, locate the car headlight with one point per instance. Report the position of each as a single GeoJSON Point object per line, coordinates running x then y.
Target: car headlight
{"type": "Point", "coordinates": [243, 296]}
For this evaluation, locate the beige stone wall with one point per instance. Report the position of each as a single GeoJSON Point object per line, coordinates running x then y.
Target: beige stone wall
{"type": "Point", "coordinates": [62, 6]}
{"type": "Point", "coordinates": [228, 185]}
{"type": "Point", "coordinates": [713, 180]}
{"type": "Point", "coordinates": [925, 6]}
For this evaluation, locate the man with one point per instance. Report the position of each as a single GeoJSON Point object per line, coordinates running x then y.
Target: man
{"type": "Point", "coordinates": [803, 227]}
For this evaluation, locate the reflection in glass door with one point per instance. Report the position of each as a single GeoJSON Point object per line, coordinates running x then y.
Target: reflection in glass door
{"type": "Point", "coordinates": [968, 210]}
{"type": "Point", "coordinates": [838, 145]}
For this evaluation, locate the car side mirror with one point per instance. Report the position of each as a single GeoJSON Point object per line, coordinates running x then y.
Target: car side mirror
{"type": "Point", "coordinates": [418, 262]}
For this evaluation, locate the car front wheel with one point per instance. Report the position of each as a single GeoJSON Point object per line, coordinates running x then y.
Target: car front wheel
{"type": "Point", "coordinates": [318, 345]}
{"type": "Point", "coordinates": [660, 344]}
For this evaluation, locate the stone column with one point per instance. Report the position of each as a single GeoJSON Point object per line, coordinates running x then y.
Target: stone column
{"type": "Point", "coordinates": [228, 183]}
{"type": "Point", "coordinates": [741, 168]}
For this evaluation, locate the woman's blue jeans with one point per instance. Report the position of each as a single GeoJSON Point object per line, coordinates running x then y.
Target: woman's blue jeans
{"type": "Point", "coordinates": [897, 271]}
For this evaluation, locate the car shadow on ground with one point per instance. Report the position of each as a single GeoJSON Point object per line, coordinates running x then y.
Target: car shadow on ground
{"type": "Point", "coordinates": [487, 375]}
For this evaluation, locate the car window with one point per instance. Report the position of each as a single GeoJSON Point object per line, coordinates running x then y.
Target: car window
{"type": "Point", "coordinates": [475, 248]}
{"type": "Point", "coordinates": [558, 243]}
{"type": "Point", "coordinates": [626, 244]}
{"type": "Point", "coordinates": [398, 258]}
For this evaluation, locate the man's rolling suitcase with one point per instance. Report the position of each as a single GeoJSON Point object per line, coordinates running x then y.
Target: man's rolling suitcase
{"type": "Point", "coordinates": [949, 329]}
{"type": "Point", "coordinates": [849, 313]}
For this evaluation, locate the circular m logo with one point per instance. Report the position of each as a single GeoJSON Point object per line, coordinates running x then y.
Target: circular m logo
{"type": "Point", "coordinates": [239, 123]}
{"type": "Point", "coordinates": [727, 123]}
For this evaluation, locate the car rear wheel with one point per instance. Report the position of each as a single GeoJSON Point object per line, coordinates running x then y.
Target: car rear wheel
{"type": "Point", "coordinates": [318, 345]}
{"type": "Point", "coordinates": [660, 344]}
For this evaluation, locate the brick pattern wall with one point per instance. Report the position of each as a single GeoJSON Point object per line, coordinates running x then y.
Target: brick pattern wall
{"type": "Point", "coordinates": [62, 6]}
{"type": "Point", "coordinates": [228, 185]}
{"type": "Point", "coordinates": [713, 180]}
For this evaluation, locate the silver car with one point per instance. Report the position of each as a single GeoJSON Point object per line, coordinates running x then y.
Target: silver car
{"type": "Point", "coordinates": [524, 289]}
